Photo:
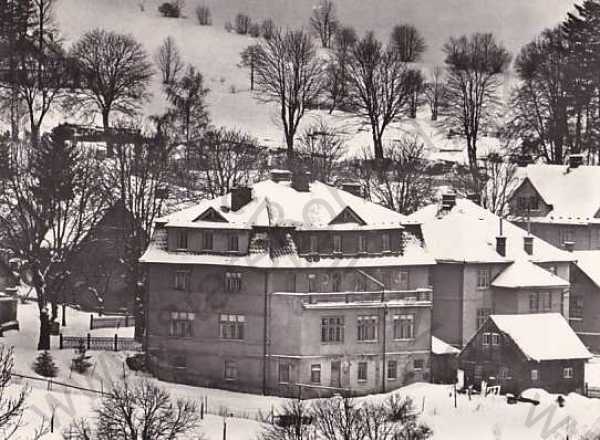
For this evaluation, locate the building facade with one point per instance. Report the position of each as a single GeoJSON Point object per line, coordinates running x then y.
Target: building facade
{"type": "Point", "coordinates": [288, 288]}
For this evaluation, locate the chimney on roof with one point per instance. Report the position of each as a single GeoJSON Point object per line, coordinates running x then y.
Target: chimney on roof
{"type": "Point", "coordinates": [353, 187]}
{"type": "Point", "coordinates": [240, 197]}
{"type": "Point", "coordinates": [475, 198]}
{"type": "Point", "coordinates": [528, 244]}
{"type": "Point", "coordinates": [281, 175]}
{"type": "Point", "coordinates": [501, 241]}
{"type": "Point", "coordinates": [575, 160]}
{"type": "Point", "coordinates": [301, 181]}
{"type": "Point", "coordinates": [448, 201]}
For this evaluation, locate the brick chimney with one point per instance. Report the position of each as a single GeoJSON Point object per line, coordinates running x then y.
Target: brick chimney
{"type": "Point", "coordinates": [448, 201]}
{"type": "Point", "coordinates": [501, 241]}
{"type": "Point", "coordinates": [301, 181]}
{"type": "Point", "coordinates": [575, 160]}
{"type": "Point", "coordinates": [240, 197]}
{"type": "Point", "coordinates": [528, 244]}
{"type": "Point", "coordinates": [353, 187]}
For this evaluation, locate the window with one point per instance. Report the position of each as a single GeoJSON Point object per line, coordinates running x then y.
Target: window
{"type": "Point", "coordinates": [231, 326]}
{"type": "Point", "coordinates": [553, 270]}
{"type": "Point", "coordinates": [179, 361]}
{"type": "Point", "coordinates": [231, 371]}
{"type": "Point", "coordinates": [392, 370]}
{"type": "Point", "coordinates": [387, 279]}
{"type": "Point", "coordinates": [180, 324]}
{"type": "Point", "coordinates": [576, 306]}
{"type": "Point", "coordinates": [568, 373]}
{"type": "Point", "coordinates": [418, 364]}
{"type": "Point", "coordinates": [233, 281]}
{"type": "Point", "coordinates": [291, 281]}
{"type": "Point", "coordinates": [404, 326]}
{"type": "Point", "coordinates": [402, 280]}
{"type": "Point", "coordinates": [482, 316]}
{"type": "Point", "coordinates": [534, 375]}
{"type": "Point", "coordinates": [545, 301]}
{"type": "Point", "coordinates": [315, 373]}
{"type": "Point", "coordinates": [566, 235]}
{"type": "Point", "coordinates": [182, 240]}
{"type": "Point", "coordinates": [503, 372]}
{"type": "Point", "coordinates": [207, 241]}
{"type": "Point", "coordinates": [332, 329]}
{"type": "Point", "coordinates": [362, 371]}
{"type": "Point", "coordinates": [314, 244]}
{"type": "Point", "coordinates": [337, 244]}
{"type": "Point", "coordinates": [336, 282]}
{"type": "Point", "coordinates": [362, 244]}
{"type": "Point", "coordinates": [531, 202]}
{"type": "Point", "coordinates": [486, 339]}
{"type": "Point", "coordinates": [385, 242]}
{"type": "Point", "coordinates": [483, 278]}
{"type": "Point", "coordinates": [367, 328]}
{"type": "Point", "coordinates": [495, 339]}
{"type": "Point", "coordinates": [312, 282]}
{"type": "Point", "coordinates": [182, 280]}
{"type": "Point", "coordinates": [533, 302]}
{"type": "Point", "coordinates": [233, 243]}
{"type": "Point", "coordinates": [284, 372]}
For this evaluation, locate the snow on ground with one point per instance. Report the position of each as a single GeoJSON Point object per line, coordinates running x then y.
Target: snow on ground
{"type": "Point", "coordinates": [481, 418]}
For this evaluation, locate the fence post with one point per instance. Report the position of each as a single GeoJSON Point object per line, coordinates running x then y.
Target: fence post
{"type": "Point", "coordinates": [60, 341]}
{"type": "Point", "coordinates": [126, 320]}
{"type": "Point", "coordinates": [91, 322]}
{"type": "Point", "coordinates": [89, 341]}
{"type": "Point", "coordinates": [116, 342]}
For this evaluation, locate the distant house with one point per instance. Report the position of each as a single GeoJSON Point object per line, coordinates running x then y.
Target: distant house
{"type": "Point", "coordinates": [288, 287]}
{"type": "Point", "coordinates": [584, 314]}
{"type": "Point", "coordinates": [560, 204]}
{"type": "Point", "coordinates": [525, 351]}
{"type": "Point", "coordinates": [98, 278]}
{"type": "Point", "coordinates": [486, 265]}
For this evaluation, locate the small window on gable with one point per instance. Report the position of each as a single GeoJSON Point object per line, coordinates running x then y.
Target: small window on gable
{"type": "Point", "coordinates": [486, 339]}
{"type": "Point", "coordinates": [347, 215]}
{"type": "Point", "coordinates": [211, 215]}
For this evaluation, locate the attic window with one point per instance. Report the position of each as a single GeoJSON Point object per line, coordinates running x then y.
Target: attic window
{"type": "Point", "coordinates": [211, 215]}
{"type": "Point", "coordinates": [347, 215]}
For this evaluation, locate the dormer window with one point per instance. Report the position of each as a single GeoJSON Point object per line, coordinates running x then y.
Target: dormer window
{"type": "Point", "coordinates": [182, 240]}
{"type": "Point", "coordinates": [362, 244]}
{"type": "Point", "coordinates": [337, 244]}
{"type": "Point", "coordinates": [207, 241]}
{"type": "Point", "coordinates": [314, 244]}
{"type": "Point", "coordinates": [385, 242]}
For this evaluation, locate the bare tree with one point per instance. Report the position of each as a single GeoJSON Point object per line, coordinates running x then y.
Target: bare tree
{"type": "Point", "coordinates": [403, 183]}
{"type": "Point", "coordinates": [203, 15]}
{"type": "Point", "coordinates": [228, 158]}
{"type": "Point", "coordinates": [337, 69]}
{"type": "Point", "coordinates": [137, 412]}
{"type": "Point", "coordinates": [12, 404]}
{"type": "Point", "coordinates": [169, 62]}
{"type": "Point", "coordinates": [292, 423]}
{"type": "Point", "coordinates": [436, 92]}
{"type": "Point", "coordinates": [378, 89]}
{"type": "Point", "coordinates": [416, 87]}
{"type": "Point", "coordinates": [324, 22]}
{"type": "Point", "coordinates": [501, 179]}
{"type": "Point", "coordinates": [338, 419]}
{"type": "Point", "coordinates": [115, 74]}
{"type": "Point", "coordinates": [320, 149]}
{"type": "Point", "coordinates": [474, 65]}
{"type": "Point", "coordinates": [48, 203]}
{"type": "Point", "coordinates": [242, 24]}
{"type": "Point", "coordinates": [248, 59]}
{"type": "Point", "coordinates": [268, 28]}
{"type": "Point", "coordinates": [288, 72]}
{"type": "Point", "coordinates": [408, 42]}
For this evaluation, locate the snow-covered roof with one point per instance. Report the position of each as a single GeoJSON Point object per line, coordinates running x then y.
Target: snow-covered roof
{"type": "Point", "coordinates": [440, 347]}
{"type": "Point", "coordinates": [278, 204]}
{"type": "Point", "coordinates": [542, 336]}
{"type": "Point", "coordinates": [589, 263]}
{"type": "Point", "coordinates": [523, 273]}
{"type": "Point", "coordinates": [574, 194]}
{"type": "Point", "coordinates": [467, 233]}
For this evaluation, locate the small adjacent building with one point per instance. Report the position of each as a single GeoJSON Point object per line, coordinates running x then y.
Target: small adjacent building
{"type": "Point", "coordinates": [486, 265]}
{"type": "Point", "coordinates": [518, 352]}
{"type": "Point", "coordinates": [288, 287]}
{"type": "Point", "coordinates": [559, 203]}
{"type": "Point", "coordinates": [584, 313]}
{"type": "Point", "coordinates": [444, 362]}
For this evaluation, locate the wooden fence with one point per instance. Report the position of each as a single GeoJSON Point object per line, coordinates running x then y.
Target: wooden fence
{"type": "Point", "coordinates": [593, 392]}
{"type": "Point", "coordinates": [111, 322]}
{"type": "Point", "coordinates": [90, 342]}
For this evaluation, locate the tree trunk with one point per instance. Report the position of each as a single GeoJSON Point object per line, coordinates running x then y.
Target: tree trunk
{"type": "Point", "coordinates": [54, 310]}
{"type": "Point", "coordinates": [377, 145]}
{"type": "Point", "coordinates": [35, 134]}
{"type": "Point", "coordinates": [107, 133]}
{"type": "Point", "coordinates": [44, 341]}
{"type": "Point", "coordinates": [289, 138]}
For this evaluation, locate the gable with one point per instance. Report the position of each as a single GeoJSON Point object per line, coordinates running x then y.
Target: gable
{"type": "Point", "coordinates": [347, 215]}
{"type": "Point", "coordinates": [527, 189]}
{"type": "Point", "coordinates": [211, 215]}
{"type": "Point", "coordinates": [474, 350]}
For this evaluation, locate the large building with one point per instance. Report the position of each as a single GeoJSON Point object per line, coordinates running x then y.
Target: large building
{"type": "Point", "coordinates": [288, 287]}
{"type": "Point", "coordinates": [486, 265]}
{"type": "Point", "coordinates": [559, 203]}
{"type": "Point", "coordinates": [584, 314]}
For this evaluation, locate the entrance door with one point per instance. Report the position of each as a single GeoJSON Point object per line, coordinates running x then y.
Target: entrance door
{"type": "Point", "coordinates": [336, 374]}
